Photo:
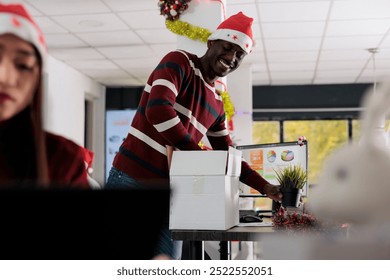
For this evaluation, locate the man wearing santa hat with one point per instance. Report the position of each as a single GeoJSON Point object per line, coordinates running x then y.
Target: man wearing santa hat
{"type": "Point", "coordinates": [179, 106]}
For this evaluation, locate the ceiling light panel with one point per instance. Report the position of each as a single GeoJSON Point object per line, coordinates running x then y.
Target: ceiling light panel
{"type": "Point", "coordinates": [48, 26]}
{"type": "Point", "coordinates": [351, 42]}
{"type": "Point", "coordinates": [108, 22]}
{"type": "Point", "coordinates": [101, 64]}
{"type": "Point", "coordinates": [143, 19]}
{"type": "Point", "coordinates": [288, 56]}
{"type": "Point", "coordinates": [360, 9]}
{"type": "Point", "coordinates": [126, 52]}
{"type": "Point", "coordinates": [106, 39]}
{"type": "Point", "coordinates": [149, 36]}
{"type": "Point", "coordinates": [63, 41]}
{"type": "Point", "coordinates": [76, 53]}
{"type": "Point", "coordinates": [368, 27]}
{"type": "Point", "coordinates": [300, 44]}
{"type": "Point", "coordinates": [69, 7]}
{"type": "Point", "coordinates": [246, 9]}
{"type": "Point", "coordinates": [131, 5]}
{"type": "Point", "coordinates": [339, 54]}
{"type": "Point", "coordinates": [296, 11]}
{"type": "Point", "coordinates": [293, 29]}
{"type": "Point", "coordinates": [138, 63]}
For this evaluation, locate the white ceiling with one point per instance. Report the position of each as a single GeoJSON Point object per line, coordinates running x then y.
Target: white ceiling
{"type": "Point", "coordinates": [119, 42]}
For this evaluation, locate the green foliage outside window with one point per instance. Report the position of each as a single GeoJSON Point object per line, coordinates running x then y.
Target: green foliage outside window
{"type": "Point", "coordinates": [266, 132]}
{"type": "Point", "coordinates": [356, 129]}
{"type": "Point", "coordinates": [323, 136]}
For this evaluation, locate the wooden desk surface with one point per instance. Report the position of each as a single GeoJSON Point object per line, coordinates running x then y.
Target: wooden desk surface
{"type": "Point", "coordinates": [233, 234]}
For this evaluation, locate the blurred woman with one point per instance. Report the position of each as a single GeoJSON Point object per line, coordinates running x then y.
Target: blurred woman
{"type": "Point", "coordinates": [28, 154]}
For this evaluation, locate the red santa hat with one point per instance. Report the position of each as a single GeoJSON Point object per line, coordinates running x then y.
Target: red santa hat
{"type": "Point", "coordinates": [236, 29]}
{"type": "Point", "coordinates": [16, 20]}
{"type": "Point", "coordinates": [88, 159]}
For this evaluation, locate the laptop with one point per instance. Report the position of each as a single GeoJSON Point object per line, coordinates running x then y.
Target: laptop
{"type": "Point", "coordinates": [59, 224]}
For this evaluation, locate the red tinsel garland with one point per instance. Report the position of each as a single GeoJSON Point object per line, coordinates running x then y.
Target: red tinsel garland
{"type": "Point", "coordinates": [293, 220]}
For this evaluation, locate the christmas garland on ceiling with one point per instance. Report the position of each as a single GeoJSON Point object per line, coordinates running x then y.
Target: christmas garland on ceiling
{"type": "Point", "coordinates": [171, 10]}
{"type": "Point", "coordinates": [188, 30]}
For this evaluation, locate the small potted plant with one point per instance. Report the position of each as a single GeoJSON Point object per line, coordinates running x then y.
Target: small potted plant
{"type": "Point", "coordinates": [292, 179]}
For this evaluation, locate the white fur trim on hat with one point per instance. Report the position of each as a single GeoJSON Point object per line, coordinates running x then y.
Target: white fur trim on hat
{"type": "Point", "coordinates": [14, 19]}
{"type": "Point", "coordinates": [235, 37]}
{"type": "Point", "coordinates": [236, 29]}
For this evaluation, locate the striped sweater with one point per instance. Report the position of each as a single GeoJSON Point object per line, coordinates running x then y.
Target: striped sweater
{"type": "Point", "coordinates": [177, 108]}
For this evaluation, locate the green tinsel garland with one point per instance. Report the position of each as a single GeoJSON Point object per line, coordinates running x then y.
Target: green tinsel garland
{"type": "Point", "coordinates": [183, 28]}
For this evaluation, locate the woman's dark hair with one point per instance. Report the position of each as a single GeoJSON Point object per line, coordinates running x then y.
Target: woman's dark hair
{"type": "Point", "coordinates": [42, 172]}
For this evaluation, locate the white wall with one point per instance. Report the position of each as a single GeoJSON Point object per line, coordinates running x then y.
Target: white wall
{"type": "Point", "coordinates": [98, 134]}
{"type": "Point", "coordinates": [240, 90]}
{"type": "Point", "coordinates": [65, 92]}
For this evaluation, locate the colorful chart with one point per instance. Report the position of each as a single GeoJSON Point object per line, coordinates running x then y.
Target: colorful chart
{"type": "Point", "coordinates": [271, 156]}
{"type": "Point", "coordinates": [287, 155]}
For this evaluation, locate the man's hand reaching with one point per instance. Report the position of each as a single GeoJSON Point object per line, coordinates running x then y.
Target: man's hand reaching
{"type": "Point", "coordinates": [273, 192]}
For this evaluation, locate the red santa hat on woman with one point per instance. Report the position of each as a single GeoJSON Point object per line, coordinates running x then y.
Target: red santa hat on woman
{"type": "Point", "coordinates": [16, 20]}
{"type": "Point", "coordinates": [88, 159]}
{"type": "Point", "coordinates": [236, 29]}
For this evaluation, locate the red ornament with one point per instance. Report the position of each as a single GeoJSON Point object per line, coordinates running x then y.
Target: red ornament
{"type": "Point", "coordinates": [301, 140]}
{"type": "Point", "coordinates": [172, 9]}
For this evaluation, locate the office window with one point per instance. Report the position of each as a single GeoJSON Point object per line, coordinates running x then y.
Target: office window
{"type": "Point", "coordinates": [323, 136]}
{"type": "Point", "coordinates": [265, 132]}
{"type": "Point", "coordinates": [356, 129]}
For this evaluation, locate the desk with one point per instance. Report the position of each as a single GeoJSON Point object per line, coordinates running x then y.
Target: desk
{"type": "Point", "coordinates": [196, 237]}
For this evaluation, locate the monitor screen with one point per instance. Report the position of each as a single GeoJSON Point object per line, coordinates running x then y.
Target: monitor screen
{"type": "Point", "coordinates": [266, 158]}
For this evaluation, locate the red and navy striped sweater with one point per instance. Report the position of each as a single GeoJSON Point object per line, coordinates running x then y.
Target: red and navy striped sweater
{"type": "Point", "coordinates": [177, 108]}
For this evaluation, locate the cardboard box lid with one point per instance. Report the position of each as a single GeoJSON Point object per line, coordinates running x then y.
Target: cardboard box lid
{"type": "Point", "coordinates": [234, 163]}
{"type": "Point", "coordinates": [198, 163]}
{"type": "Point", "coordinates": [206, 163]}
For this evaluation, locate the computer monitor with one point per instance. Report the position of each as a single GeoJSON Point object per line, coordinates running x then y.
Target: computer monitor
{"type": "Point", "coordinates": [63, 224]}
{"type": "Point", "coordinates": [266, 158]}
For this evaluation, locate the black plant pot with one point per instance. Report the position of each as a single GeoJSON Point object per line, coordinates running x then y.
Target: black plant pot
{"type": "Point", "coordinates": [291, 197]}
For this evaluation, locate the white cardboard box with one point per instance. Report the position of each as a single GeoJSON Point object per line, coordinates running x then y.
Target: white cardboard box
{"type": "Point", "coordinates": [205, 189]}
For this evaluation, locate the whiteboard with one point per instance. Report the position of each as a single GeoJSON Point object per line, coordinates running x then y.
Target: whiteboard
{"type": "Point", "coordinates": [266, 158]}
{"type": "Point", "coordinates": [117, 126]}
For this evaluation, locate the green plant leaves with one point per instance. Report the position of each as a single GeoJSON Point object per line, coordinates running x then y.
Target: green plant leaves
{"type": "Point", "coordinates": [292, 176]}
